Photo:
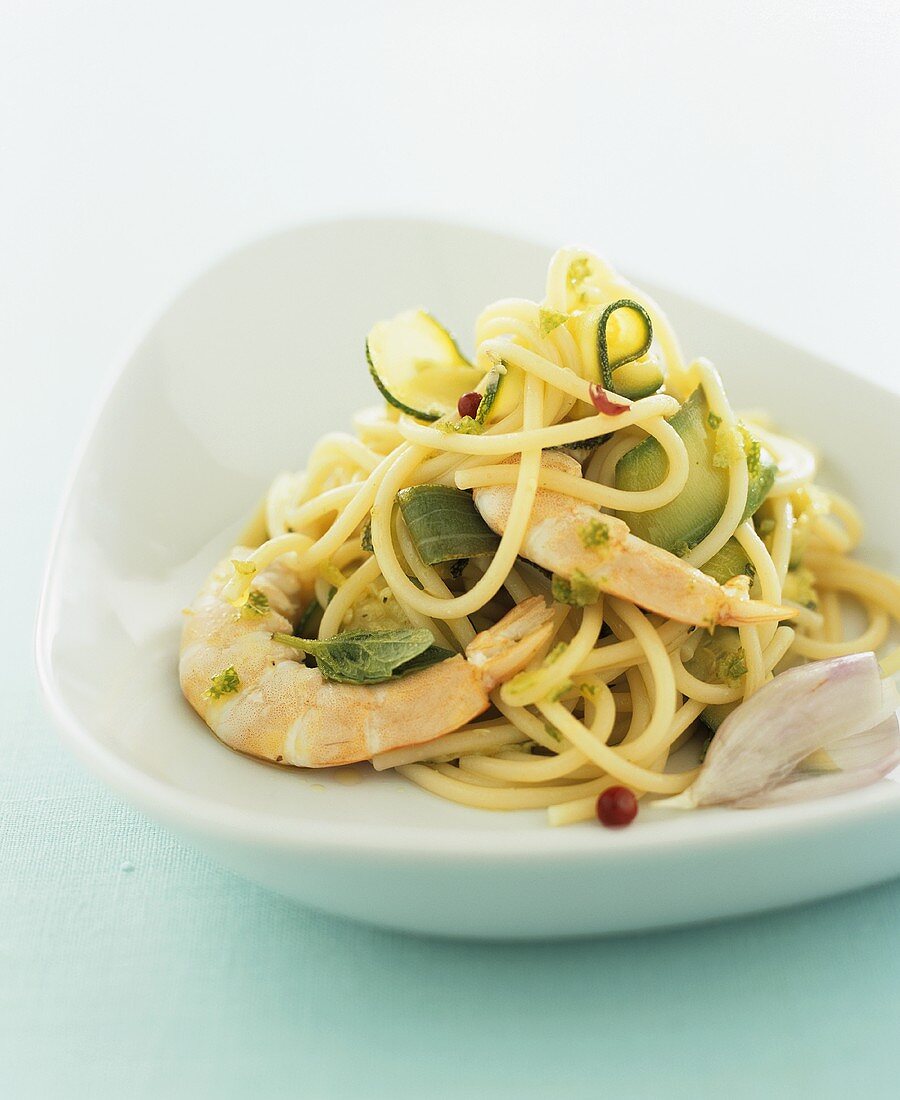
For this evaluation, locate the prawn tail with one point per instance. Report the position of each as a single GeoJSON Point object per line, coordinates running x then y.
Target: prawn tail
{"type": "Point", "coordinates": [739, 611]}
{"type": "Point", "coordinates": [505, 649]}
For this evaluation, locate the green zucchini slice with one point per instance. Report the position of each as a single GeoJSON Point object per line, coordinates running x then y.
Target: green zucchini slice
{"type": "Point", "coordinates": [417, 365]}
{"type": "Point", "coordinates": [689, 518]}
{"type": "Point", "coordinates": [731, 561]}
{"type": "Point", "coordinates": [632, 367]}
{"type": "Point", "coordinates": [503, 389]}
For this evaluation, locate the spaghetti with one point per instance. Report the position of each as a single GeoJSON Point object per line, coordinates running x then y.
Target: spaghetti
{"type": "Point", "coordinates": [616, 690]}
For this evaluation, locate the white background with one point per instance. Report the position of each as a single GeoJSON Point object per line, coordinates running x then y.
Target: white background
{"type": "Point", "coordinates": [744, 153]}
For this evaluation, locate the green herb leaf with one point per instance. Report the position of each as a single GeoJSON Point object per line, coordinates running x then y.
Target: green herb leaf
{"type": "Point", "coordinates": [549, 319]}
{"type": "Point", "coordinates": [225, 683]}
{"type": "Point", "coordinates": [444, 523]}
{"type": "Point", "coordinates": [594, 534]}
{"type": "Point", "coordinates": [466, 425]}
{"type": "Point", "coordinates": [753, 450]}
{"type": "Point", "coordinates": [731, 667]}
{"type": "Point", "coordinates": [555, 653]}
{"type": "Point", "coordinates": [579, 591]}
{"type": "Point", "coordinates": [369, 656]}
{"type": "Point", "coordinates": [579, 271]}
{"type": "Point", "coordinates": [719, 658]}
{"type": "Point", "coordinates": [257, 604]}
{"type": "Point", "coordinates": [560, 690]}
{"type": "Point", "coordinates": [433, 655]}
{"type": "Point", "coordinates": [365, 538]}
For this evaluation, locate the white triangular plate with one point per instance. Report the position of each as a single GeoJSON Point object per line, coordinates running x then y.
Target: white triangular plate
{"type": "Point", "coordinates": [233, 383]}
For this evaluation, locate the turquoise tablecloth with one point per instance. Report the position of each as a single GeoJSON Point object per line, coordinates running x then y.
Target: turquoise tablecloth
{"type": "Point", "coordinates": [132, 967]}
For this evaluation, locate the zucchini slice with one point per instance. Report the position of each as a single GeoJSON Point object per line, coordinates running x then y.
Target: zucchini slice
{"type": "Point", "coordinates": [689, 518]}
{"type": "Point", "coordinates": [417, 365]}
{"type": "Point", "coordinates": [641, 378]}
{"type": "Point", "coordinates": [731, 561]}
{"type": "Point", "coordinates": [503, 388]}
{"type": "Point", "coordinates": [633, 364]}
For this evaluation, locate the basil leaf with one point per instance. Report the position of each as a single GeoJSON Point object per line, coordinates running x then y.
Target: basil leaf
{"type": "Point", "coordinates": [444, 523]}
{"type": "Point", "coordinates": [433, 655]}
{"type": "Point", "coordinates": [578, 590]}
{"type": "Point", "coordinates": [365, 538]}
{"type": "Point", "coordinates": [369, 656]}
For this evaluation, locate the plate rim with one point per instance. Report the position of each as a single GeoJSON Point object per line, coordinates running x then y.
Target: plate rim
{"type": "Point", "coordinates": [182, 808]}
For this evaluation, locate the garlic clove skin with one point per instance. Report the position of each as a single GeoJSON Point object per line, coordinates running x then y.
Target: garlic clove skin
{"type": "Point", "coordinates": [879, 757]}
{"type": "Point", "coordinates": [841, 706]}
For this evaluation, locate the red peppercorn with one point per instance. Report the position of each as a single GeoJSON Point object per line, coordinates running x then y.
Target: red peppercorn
{"type": "Point", "coordinates": [468, 404]}
{"type": "Point", "coordinates": [617, 806]}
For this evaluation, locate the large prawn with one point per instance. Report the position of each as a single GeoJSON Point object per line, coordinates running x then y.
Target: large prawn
{"type": "Point", "coordinates": [258, 697]}
{"type": "Point", "coordinates": [580, 543]}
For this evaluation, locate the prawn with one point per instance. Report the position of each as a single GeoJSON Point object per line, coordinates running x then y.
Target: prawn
{"type": "Point", "coordinates": [578, 542]}
{"type": "Point", "coordinates": [258, 697]}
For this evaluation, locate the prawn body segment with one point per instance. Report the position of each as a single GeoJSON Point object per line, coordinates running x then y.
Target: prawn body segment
{"type": "Point", "coordinates": [296, 717]}
{"type": "Point", "coordinates": [575, 540]}
{"type": "Point", "coordinates": [274, 707]}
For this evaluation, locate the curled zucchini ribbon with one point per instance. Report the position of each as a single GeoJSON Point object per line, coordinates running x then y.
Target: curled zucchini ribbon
{"type": "Point", "coordinates": [607, 368]}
